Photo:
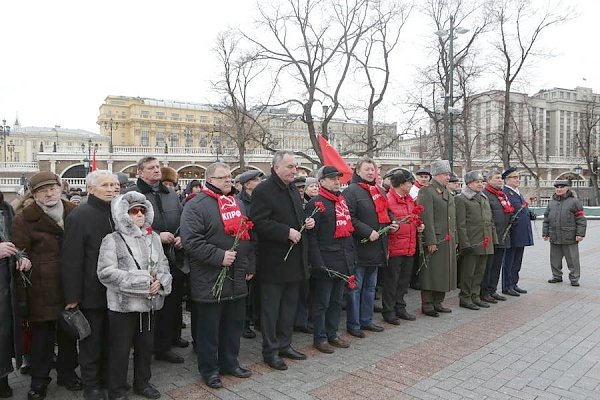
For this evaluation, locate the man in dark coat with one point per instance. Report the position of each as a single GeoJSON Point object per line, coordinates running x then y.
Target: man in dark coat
{"type": "Point", "coordinates": [520, 234]}
{"type": "Point", "coordinates": [39, 229]}
{"type": "Point", "coordinates": [564, 226]}
{"type": "Point", "coordinates": [248, 181]}
{"type": "Point", "coordinates": [209, 225]}
{"type": "Point", "coordinates": [278, 216]}
{"type": "Point", "coordinates": [167, 214]}
{"type": "Point", "coordinates": [331, 247]}
{"type": "Point", "coordinates": [502, 210]}
{"type": "Point", "coordinates": [369, 211]}
{"type": "Point", "coordinates": [85, 227]}
{"type": "Point", "coordinates": [10, 327]}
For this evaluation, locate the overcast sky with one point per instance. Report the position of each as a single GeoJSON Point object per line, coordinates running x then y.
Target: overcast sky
{"type": "Point", "coordinates": [62, 58]}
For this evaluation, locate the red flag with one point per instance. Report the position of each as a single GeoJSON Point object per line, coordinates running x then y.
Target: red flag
{"type": "Point", "coordinates": [332, 157]}
{"type": "Point", "coordinates": [94, 167]}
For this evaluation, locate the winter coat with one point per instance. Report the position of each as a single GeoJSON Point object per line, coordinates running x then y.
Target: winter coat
{"type": "Point", "coordinates": [501, 220]}
{"type": "Point", "coordinates": [128, 283]}
{"type": "Point", "coordinates": [324, 250]}
{"type": "Point", "coordinates": [474, 223]}
{"type": "Point", "coordinates": [41, 238]}
{"type": "Point", "coordinates": [439, 217]}
{"type": "Point", "coordinates": [85, 227]}
{"type": "Point", "coordinates": [403, 242]}
{"type": "Point", "coordinates": [564, 219]}
{"type": "Point", "coordinates": [205, 242]}
{"type": "Point", "coordinates": [167, 215]}
{"type": "Point", "coordinates": [277, 207]}
{"type": "Point", "coordinates": [521, 234]}
{"type": "Point", "coordinates": [10, 326]}
{"type": "Point", "coordinates": [246, 199]}
{"type": "Point", "coordinates": [364, 219]}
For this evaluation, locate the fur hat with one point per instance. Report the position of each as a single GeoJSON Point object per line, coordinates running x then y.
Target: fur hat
{"type": "Point", "coordinates": [120, 207]}
{"type": "Point", "coordinates": [169, 174]}
{"type": "Point", "coordinates": [472, 176]}
{"type": "Point", "coordinates": [43, 178]}
{"type": "Point", "coordinates": [439, 167]}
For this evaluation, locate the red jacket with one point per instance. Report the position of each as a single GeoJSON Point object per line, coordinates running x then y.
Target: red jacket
{"type": "Point", "coordinates": [403, 242]}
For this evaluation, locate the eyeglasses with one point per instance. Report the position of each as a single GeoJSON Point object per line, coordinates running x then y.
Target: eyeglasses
{"type": "Point", "coordinates": [221, 177]}
{"type": "Point", "coordinates": [137, 210]}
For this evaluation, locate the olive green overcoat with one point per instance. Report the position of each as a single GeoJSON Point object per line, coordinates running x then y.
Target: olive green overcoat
{"type": "Point", "coordinates": [474, 223]}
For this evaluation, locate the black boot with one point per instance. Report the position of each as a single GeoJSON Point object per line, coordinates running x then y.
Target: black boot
{"type": "Point", "coordinates": [5, 390]}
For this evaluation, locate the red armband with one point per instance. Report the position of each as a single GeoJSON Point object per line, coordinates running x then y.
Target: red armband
{"type": "Point", "coordinates": [579, 213]}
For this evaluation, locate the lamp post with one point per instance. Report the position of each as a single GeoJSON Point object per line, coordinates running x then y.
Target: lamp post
{"type": "Point", "coordinates": [110, 125]}
{"type": "Point", "coordinates": [411, 167]}
{"type": "Point", "coordinates": [11, 150]}
{"type": "Point", "coordinates": [5, 131]}
{"type": "Point", "coordinates": [450, 109]}
{"type": "Point", "coordinates": [55, 146]}
{"type": "Point", "coordinates": [87, 159]}
{"type": "Point", "coordinates": [578, 170]}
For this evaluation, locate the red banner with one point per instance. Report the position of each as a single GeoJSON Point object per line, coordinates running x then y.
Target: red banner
{"type": "Point", "coordinates": [94, 167]}
{"type": "Point", "coordinates": [333, 158]}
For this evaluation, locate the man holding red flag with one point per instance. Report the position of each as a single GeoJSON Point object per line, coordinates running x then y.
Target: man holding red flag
{"type": "Point", "coordinates": [369, 211]}
{"type": "Point", "coordinates": [210, 224]}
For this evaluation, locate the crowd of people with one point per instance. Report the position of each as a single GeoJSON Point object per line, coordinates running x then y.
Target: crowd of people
{"type": "Point", "coordinates": [273, 253]}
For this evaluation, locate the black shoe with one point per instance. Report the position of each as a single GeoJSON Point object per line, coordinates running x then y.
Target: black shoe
{"type": "Point", "coordinates": [73, 385]}
{"type": "Point", "coordinates": [275, 362]}
{"type": "Point", "coordinates": [574, 283]}
{"type": "Point", "coordinates": [36, 394]}
{"type": "Point", "coordinates": [497, 296]}
{"type": "Point", "coordinates": [148, 392]}
{"type": "Point", "coordinates": [481, 304]}
{"type": "Point", "coordinates": [511, 292]}
{"type": "Point", "coordinates": [124, 397]}
{"type": "Point", "coordinates": [405, 315]}
{"type": "Point", "coordinates": [6, 392]}
{"type": "Point", "coordinates": [431, 313]}
{"type": "Point", "coordinates": [440, 308]}
{"type": "Point", "coordinates": [377, 309]}
{"type": "Point", "coordinates": [519, 290]}
{"type": "Point", "coordinates": [392, 320]}
{"type": "Point", "coordinates": [372, 328]}
{"type": "Point", "coordinates": [292, 354]}
{"type": "Point", "coordinates": [303, 329]}
{"type": "Point", "coordinates": [356, 333]}
{"type": "Point", "coordinates": [213, 381]}
{"type": "Point", "coordinates": [94, 394]}
{"type": "Point", "coordinates": [169, 356]}
{"type": "Point", "coordinates": [248, 333]}
{"type": "Point", "coordinates": [555, 280]}
{"type": "Point", "coordinates": [488, 299]}
{"type": "Point", "coordinates": [470, 306]}
{"type": "Point", "coordinates": [25, 369]}
{"type": "Point", "coordinates": [238, 372]}
{"type": "Point", "coordinates": [181, 343]}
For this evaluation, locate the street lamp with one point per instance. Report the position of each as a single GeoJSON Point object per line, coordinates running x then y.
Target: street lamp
{"type": "Point", "coordinates": [110, 125]}
{"type": "Point", "coordinates": [55, 146]}
{"type": "Point", "coordinates": [578, 170]}
{"type": "Point", "coordinates": [411, 167]}
{"type": "Point", "coordinates": [450, 110]}
{"type": "Point", "coordinates": [87, 159]}
{"type": "Point", "coordinates": [5, 131]}
{"type": "Point", "coordinates": [11, 150]}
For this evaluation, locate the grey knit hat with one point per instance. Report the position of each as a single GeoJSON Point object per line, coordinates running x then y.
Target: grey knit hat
{"type": "Point", "coordinates": [472, 176]}
{"type": "Point", "coordinates": [439, 167]}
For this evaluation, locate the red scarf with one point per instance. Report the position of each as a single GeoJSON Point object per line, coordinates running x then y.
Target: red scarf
{"type": "Point", "coordinates": [231, 215]}
{"type": "Point", "coordinates": [502, 198]}
{"type": "Point", "coordinates": [343, 222]}
{"type": "Point", "coordinates": [418, 184]}
{"type": "Point", "coordinates": [381, 205]}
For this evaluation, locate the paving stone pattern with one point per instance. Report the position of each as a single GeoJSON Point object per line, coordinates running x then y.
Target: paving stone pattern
{"type": "Point", "coordinates": [542, 345]}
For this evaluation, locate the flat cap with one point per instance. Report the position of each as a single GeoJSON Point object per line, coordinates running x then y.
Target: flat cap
{"type": "Point", "coordinates": [249, 175]}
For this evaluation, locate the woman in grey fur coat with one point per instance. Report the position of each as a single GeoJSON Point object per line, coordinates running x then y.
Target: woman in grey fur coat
{"type": "Point", "coordinates": [135, 271]}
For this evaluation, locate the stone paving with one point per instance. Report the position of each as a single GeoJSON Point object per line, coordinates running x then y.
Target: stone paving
{"type": "Point", "coordinates": [542, 345]}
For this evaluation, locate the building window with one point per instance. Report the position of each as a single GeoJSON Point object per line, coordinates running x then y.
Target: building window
{"type": "Point", "coordinates": [145, 138]}
{"type": "Point", "coordinates": [175, 116]}
{"type": "Point", "coordinates": [160, 115]}
{"type": "Point", "coordinates": [189, 118]}
{"type": "Point", "coordinates": [145, 114]}
{"type": "Point", "coordinates": [160, 139]}
{"type": "Point", "coordinates": [174, 140]}
{"type": "Point", "coordinates": [189, 138]}
{"type": "Point", "coordinates": [203, 119]}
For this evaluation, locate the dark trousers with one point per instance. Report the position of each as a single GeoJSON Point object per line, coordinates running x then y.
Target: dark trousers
{"type": "Point", "coordinates": [43, 337]}
{"type": "Point", "coordinates": [328, 295]}
{"type": "Point", "coordinates": [492, 272]}
{"type": "Point", "coordinates": [512, 267]}
{"type": "Point", "coordinates": [93, 350]}
{"type": "Point", "coordinates": [127, 329]}
{"type": "Point", "coordinates": [252, 304]}
{"type": "Point", "coordinates": [302, 309]}
{"type": "Point", "coordinates": [218, 331]}
{"type": "Point", "coordinates": [168, 319]}
{"type": "Point", "coordinates": [472, 268]}
{"type": "Point", "coordinates": [395, 280]}
{"type": "Point", "coordinates": [278, 308]}
{"type": "Point", "coordinates": [431, 298]}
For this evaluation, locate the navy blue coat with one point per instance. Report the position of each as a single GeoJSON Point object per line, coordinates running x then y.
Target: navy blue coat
{"type": "Point", "coordinates": [520, 234]}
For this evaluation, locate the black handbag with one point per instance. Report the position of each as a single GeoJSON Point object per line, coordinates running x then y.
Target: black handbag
{"type": "Point", "coordinates": [75, 323]}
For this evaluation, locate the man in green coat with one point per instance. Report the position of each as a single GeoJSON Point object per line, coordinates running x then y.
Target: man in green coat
{"type": "Point", "coordinates": [476, 238]}
{"type": "Point", "coordinates": [438, 275]}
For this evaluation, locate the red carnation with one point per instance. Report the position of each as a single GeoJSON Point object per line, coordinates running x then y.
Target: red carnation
{"type": "Point", "coordinates": [249, 225]}
{"type": "Point", "coordinates": [418, 209]}
{"type": "Point", "coordinates": [447, 238]}
{"type": "Point", "coordinates": [351, 285]}
{"type": "Point", "coordinates": [420, 222]}
{"type": "Point", "coordinates": [351, 278]}
{"type": "Point", "coordinates": [149, 230]}
{"type": "Point", "coordinates": [486, 242]}
{"type": "Point", "coordinates": [532, 198]}
{"type": "Point", "coordinates": [320, 206]}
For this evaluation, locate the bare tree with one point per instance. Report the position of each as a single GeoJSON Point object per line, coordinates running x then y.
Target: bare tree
{"type": "Point", "coordinates": [520, 24]}
{"type": "Point", "coordinates": [239, 77]}
{"type": "Point", "coordinates": [587, 142]}
{"type": "Point", "coordinates": [313, 42]}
